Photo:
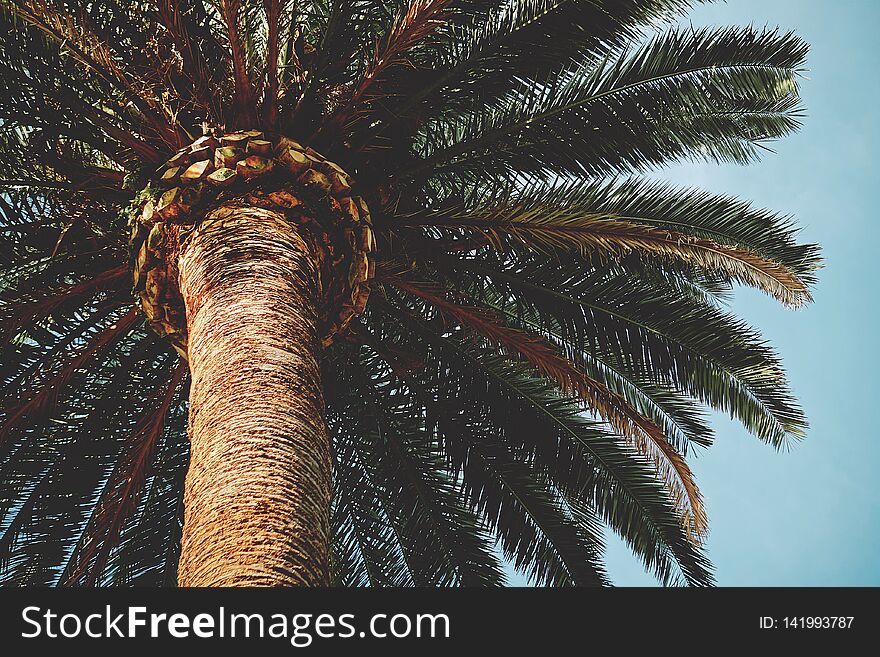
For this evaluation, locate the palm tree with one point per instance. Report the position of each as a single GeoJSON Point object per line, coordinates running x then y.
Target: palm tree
{"type": "Point", "coordinates": [397, 267]}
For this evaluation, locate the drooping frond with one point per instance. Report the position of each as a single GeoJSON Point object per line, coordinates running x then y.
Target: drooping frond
{"type": "Point", "coordinates": [562, 322]}
{"type": "Point", "coordinates": [651, 331]}
{"type": "Point", "coordinates": [536, 531]}
{"type": "Point", "coordinates": [38, 402]}
{"type": "Point", "coordinates": [121, 491]}
{"type": "Point", "coordinates": [359, 505]}
{"type": "Point", "coordinates": [36, 308]}
{"type": "Point", "coordinates": [716, 234]}
{"type": "Point", "coordinates": [550, 430]}
{"type": "Point", "coordinates": [74, 453]}
{"type": "Point", "coordinates": [611, 407]}
{"type": "Point", "coordinates": [420, 497]}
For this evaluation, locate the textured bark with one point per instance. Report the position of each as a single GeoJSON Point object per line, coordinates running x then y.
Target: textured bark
{"type": "Point", "coordinates": [257, 494]}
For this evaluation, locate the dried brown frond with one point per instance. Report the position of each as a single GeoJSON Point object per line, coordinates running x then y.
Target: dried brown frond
{"type": "Point", "coordinates": [244, 115]}
{"type": "Point", "coordinates": [193, 61]}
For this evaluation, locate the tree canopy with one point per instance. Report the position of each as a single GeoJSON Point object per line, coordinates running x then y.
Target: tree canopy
{"type": "Point", "coordinates": [547, 322]}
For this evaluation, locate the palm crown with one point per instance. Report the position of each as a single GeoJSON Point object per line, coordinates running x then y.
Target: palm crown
{"type": "Point", "coordinates": [544, 324]}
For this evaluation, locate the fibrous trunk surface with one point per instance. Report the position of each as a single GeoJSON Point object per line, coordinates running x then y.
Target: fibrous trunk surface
{"type": "Point", "coordinates": [257, 494]}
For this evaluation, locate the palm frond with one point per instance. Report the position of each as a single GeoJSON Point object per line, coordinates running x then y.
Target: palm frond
{"type": "Point", "coordinates": [553, 231]}
{"type": "Point", "coordinates": [65, 30]}
{"type": "Point", "coordinates": [412, 27]}
{"type": "Point", "coordinates": [611, 407]}
{"type": "Point", "coordinates": [442, 537]}
{"type": "Point", "coordinates": [40, 401]}
{"type": "Point", "coordinates": [586, 461]}
{"type": "Point", "coordinates": [716, 94]}
{"type": "Point", "coordinates": [491, 45]}
{"type": "Point", "coordinates": [650, 330]}
{"type": "Point", "coordinates": [35, 308]}
{"type": "Point", "coordinates": [121, 490]}
{"type": "Point", "coordinates": [536, 531]}
{"type": "Point", "coordinates": [73, 454]}
{"type": "Point", "coordinates": [193, 41]}
{"type": "Point", "coordinates": [714, 233]}
{"type": "Point", "coordinates": [244, 114]}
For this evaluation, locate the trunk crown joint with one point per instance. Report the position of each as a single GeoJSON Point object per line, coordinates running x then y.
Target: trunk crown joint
{"type": "Point", "coordinates": [251, 168]}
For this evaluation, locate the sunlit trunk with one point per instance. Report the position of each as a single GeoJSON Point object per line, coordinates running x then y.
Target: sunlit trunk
{"type": "Point", "coordinates": [257, 494]}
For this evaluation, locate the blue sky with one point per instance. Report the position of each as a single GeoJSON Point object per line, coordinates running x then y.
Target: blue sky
{"type": "Point", "coordinates": [809, 516]}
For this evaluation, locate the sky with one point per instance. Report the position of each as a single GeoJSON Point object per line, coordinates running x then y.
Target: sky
{"type": "Point", "coordinates": [809, 516]}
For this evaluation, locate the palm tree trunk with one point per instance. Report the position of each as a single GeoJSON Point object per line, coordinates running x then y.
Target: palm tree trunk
{"type": "Point", "coordinates": [257, 494]}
